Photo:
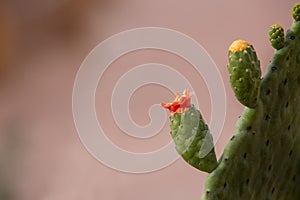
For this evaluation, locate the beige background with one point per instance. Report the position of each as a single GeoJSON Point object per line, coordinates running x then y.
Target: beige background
{"type": "Point", "coordinates": [42, 46]}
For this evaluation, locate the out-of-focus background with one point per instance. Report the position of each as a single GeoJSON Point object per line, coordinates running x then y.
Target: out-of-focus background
{"type": "Point", "coordinates": [42, 44]}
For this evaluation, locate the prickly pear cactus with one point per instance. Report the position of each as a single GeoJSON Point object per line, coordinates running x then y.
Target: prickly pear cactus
{"type": "Point", "coordinates": [262, 158]}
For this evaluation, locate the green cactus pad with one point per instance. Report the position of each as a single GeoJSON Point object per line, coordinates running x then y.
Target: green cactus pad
{"type": "Point", "coordinates": [245, 73]}
{"type": "Point", "coordinates": [191, 135]}
{"type": "Point", "coordinates": [193, 140]}
{"type": "Point", "coordinates": [276, 36]}
{"type": "Point", "coordinates": [262, 159]}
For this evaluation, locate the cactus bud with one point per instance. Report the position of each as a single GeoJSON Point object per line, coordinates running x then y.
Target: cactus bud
{"type": "Point", "coordinates": [296, 12]}
{"type": "Point", "coordinates": [276, 36]}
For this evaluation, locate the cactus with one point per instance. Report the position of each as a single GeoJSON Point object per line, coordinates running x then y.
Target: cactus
{"type": "Point", "coordinates": [262, 158]}
{"type": "Point", "coordinates": [244, 70]}
{"type": "Point", "coordinates": [276, 36]}
{"type": "Point", "coordinates": [296, 12]}
{"type": "Point", "coordinates": [191, 134]}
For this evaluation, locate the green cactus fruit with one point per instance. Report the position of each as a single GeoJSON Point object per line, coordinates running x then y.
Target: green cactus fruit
{"type": "Point", "coordinates": [296, 11]}
{"type": "Point", "coordinates": [276, 36]}
{"type": "Point", "coordinates": [262, 159]}
{"type": "Point", "coordinates": [245, 73]}
{"type": "Point", "coordinates": [191, 136]}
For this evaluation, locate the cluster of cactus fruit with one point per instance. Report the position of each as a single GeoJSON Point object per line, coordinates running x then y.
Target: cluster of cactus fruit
{"type": "Point", "coordinates": [262, 158]}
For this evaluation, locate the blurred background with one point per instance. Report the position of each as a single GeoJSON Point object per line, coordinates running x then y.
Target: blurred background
{"type": "Point", "coordinates": [42, 45]}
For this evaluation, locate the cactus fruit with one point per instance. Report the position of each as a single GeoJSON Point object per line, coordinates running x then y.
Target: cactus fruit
{"type": "Point", "coordinates": [276, 36]}
{"type": "Point", "coordinates": [262, 158]}
{"type": "Point", "coordinates": [191, 134]}
{"type": "Point", "coordinates": [296, 12]}
{"type": "Point", "coordinates": [244, 70]}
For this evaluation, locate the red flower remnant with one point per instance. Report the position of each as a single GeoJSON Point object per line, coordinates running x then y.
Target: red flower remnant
{"type": "Point", "coordinates": [180, 104]}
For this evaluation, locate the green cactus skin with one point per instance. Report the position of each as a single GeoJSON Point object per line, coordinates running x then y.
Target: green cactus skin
{"type": "Point", "coordinates": [191, 136]}
{"type": "Point", "coordinates": [296, 11]}
{"type": "Point", "coordinates": [262, 159]}
{"type": "Point", "coordinates": [245, 73]}
{"type": "Point", "coordinates": [276, 36]}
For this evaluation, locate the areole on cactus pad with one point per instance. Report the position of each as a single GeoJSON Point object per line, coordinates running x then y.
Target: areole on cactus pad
{"type": "Point", "coordinates": [262, 158]}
